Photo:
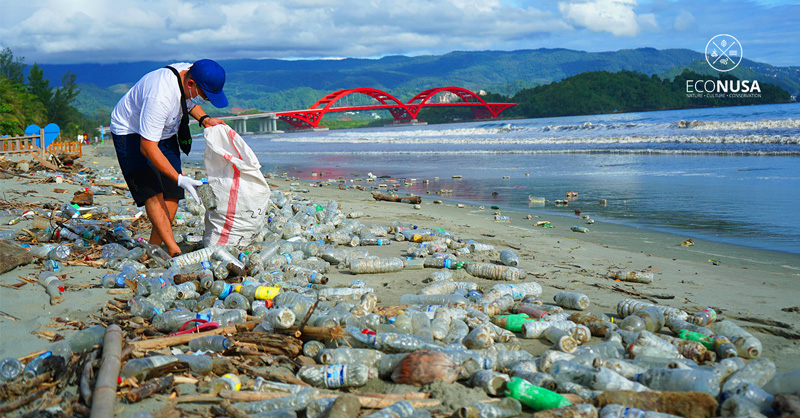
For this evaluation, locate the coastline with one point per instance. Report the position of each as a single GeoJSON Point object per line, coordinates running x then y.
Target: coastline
{"type": "Point", "coordinates": [743, 288]}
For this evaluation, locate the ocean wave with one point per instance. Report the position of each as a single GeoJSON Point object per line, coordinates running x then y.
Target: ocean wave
{"type": "Point", "coordinates": [626, 139]}
{"type": "Point", "coordinates": [747, 125]}
{"type": "Point", "coordinates": [642, 151]}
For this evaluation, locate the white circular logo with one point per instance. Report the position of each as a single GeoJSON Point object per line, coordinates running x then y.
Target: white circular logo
{"type": "Point", "coordinates": [723, 52]}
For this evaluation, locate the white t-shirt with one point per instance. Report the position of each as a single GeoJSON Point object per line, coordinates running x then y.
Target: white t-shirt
{"type": "Point", "coordinates": [151, 108]}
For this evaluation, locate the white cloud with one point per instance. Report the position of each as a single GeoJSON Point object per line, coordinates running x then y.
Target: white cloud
{"type": "Point", "coordinates": [684, 21]}
{"type": "Point", "coordinates": [613, 16]}
{"type": "Point", "coordinates": [130, 30]}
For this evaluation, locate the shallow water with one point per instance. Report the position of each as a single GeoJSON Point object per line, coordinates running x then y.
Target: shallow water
{"type": "Point", "coordinates": [726, 174]}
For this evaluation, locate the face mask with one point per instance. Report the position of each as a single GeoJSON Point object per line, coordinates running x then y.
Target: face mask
{"type": "Point", "coordinates": [199, 100]}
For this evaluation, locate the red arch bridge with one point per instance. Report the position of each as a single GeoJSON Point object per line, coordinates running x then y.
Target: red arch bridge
{"type": "Point", "coordinates": [402, 112]}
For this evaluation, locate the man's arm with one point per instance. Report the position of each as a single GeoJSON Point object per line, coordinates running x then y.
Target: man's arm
{"type": "Point", "coordinates": [197, 112]}
{"type": "Point", "coordinates": [153, 153]}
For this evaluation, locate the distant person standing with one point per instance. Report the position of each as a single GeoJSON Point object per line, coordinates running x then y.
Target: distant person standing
{"type": "Point", "coordinates": [150, 127]}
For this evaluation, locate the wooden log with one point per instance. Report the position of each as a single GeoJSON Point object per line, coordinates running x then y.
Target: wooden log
{"type": "Point", "coordinates": [274, 344]}
{"type": "Point", "coordinates": [406, 199]}
{"type": "Point", "coordinates": [22, 401]}
{"type": "Point", "coordinates": [185, 338]}
{"type": "Point", "coordinates": [371, 402]}
{"type": "Point", "coordinates": [150, 388]}
{"type": "Point", "coordinates": [316, 333]}
{"type": "Point", "coordinates": [232, 410]}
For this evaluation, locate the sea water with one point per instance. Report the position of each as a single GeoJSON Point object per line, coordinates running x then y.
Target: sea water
{"type": "Point", "coordinates": [723, 174]}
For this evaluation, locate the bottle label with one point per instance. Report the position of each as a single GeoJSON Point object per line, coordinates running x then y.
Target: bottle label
{"type": "Point", "coordinates": [334, 375]}
{"type": "Point", "coordinates": [226, 291]}
{"type": "Point", "coordinates": [267, 292]}
{"type": "Point", "coordinates": [233, 381]}
{"type": "Point", "coordinates": [447, 263]}
{"type": "Point", "coordinates": [205, 265]}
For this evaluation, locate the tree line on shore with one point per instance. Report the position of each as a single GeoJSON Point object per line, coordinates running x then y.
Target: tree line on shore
{"type": "Point", "coordinates": [30, 99]}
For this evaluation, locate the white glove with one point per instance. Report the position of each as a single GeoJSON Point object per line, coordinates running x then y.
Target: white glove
{"type": "Point", "coordinates": [188, 184]}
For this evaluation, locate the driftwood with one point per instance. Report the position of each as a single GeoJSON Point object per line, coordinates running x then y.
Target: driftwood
{"type": "Point", "coordinates": [406, 199]}
{"type": "Point", "coordinates": [275, 344]}
{"type": "Point", "coordinates": [22, 401]}
{"type": "Point", "coordinates": [366, 400]}
{"type": "Point", "coordinates": [86, 377]}
{"type": "Point", "coordinates": [150, 388]}
{"type": "Point", "coordinates": [328, 333]}
{"type": "Point", "coordinates": [232, 410]}
{"type": "Point", "coordinates": [185, 338]}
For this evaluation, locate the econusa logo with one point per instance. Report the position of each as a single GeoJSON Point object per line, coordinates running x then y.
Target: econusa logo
{"type": "Point", "coordinates": [722, 86]}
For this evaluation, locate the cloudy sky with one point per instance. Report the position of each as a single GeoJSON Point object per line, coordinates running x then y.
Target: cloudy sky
{"type": "Point", "coordinates": [106, 31]}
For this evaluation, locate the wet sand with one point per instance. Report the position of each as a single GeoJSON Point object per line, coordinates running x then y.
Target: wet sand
{"type": "Point", "coordinates": [752, 287]}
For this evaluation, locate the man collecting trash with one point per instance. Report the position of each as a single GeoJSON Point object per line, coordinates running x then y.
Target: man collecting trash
{"type": "Point", "coordinates": [150, 127]}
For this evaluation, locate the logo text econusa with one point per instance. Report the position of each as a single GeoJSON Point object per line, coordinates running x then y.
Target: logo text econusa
{"type": "Point", "coordinates": [722, 86]}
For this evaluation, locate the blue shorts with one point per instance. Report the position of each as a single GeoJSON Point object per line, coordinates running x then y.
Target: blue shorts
{"type": "Point", "coordinates": [144, 180]}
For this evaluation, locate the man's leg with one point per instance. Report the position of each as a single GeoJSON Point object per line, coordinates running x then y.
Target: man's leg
{"type": "Point", "coordinates": [158, 213]}
{"type": "Point", "coordinates": [172, 209]}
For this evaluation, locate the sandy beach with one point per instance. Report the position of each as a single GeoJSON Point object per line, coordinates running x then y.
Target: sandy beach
{"type": "Point", "coordinates": [755, 288]}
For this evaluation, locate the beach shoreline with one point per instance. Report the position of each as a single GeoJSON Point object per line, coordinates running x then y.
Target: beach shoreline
{"type": "Point", "coordinates": [744, 286]}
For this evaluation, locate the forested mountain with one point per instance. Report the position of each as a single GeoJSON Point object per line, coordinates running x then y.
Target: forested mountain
{"type": "Point", "coordinates": [271, 85]}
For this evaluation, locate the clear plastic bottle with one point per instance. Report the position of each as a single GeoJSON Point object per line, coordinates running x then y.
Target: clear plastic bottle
{"type": "Point", "coordinates": [193, 257]}
{"type": "Point", "coordinates": [236, 301]}
{"type": "Point", "coordinates": [753, 393]}
{"type": "Point", "coordinates": [705, 317]}
{"type": "Point", "coordinates": [298, 303]}
{"type": "Point", "coordinates": [747, 345]}
{"type": "Point", "coordinates": [402, 409]}
{"type": "Point", "coordinates": [653, 318]}
{"type": "Point", "coordinates": [633, 276]}
{"type": "Point", "coordinates": [335, 376]}
{"type": "Point", "coordinates": [724, 347]}
{"type": "Point", "coordinates": [676, 325]}
{"type": "Point", "coordinates": [495, 271]}
{"type": "Point", "coordinates": [568, 371]}
{"type": "Point", "coordinates": [53, 285]}
{"type": "Point", "coordinates": [206, 194]}
{"type": "Point", "coordinates": [86, 338]}
{"type": "Point", "coordinates": [517, 291]}
{"type": "Point", "coordinates": [492, 382]}
{"type": "Point", "coordinates": [572, 300]}
{"type": "Point", "coordinates": [347, 355]}
{"type": "Point", "coordinates": [681, 380]}
{"type": "Point", "coordinates": [230, 317]}
{"type": "Point", "coordinates": [144, 308]}
{"type": "Point", "coordinates": [172, 320]}
{"type": "Point", "coordinates": [10, 369]}
{"type": "Point", "coordinates": [607, 379]}
{"type": "Point", "coordinates": [216, 343]}
{"type": "Point", "coordinates": [788, 382]}
{"type": "Point", "coordinates": [376, 265]}
{"type": "Point", "coordinates": [294, 401]}
{"type": "Point", "coordinates": [281, 318]}
{"type": "Point", "coordinates": [392, 342]}
{"type": "Point", "coordinates": [155, 252]}
{"type": "Point", "coordinates": [621, 411]}
{"type": "Point", "coordinates": [627, 307]}
{"type": "Point", "coordinates": [758, 372]}
{"type": "Point", "coordinates": [451, 299]}
{"type": "Point", "coordinates": [505, 408]}
{"type": "Point", "coordinates": [140, 366]}
{"type": "Point", "coordinates": [508, 258]}
{"type": "Point", "coordinates": [560, 339]}
{"type": "Point", "coordinates": [648, 339]}
{"type": "Point", "coordinates": [228, 381]}
{"type": "Point", "coordinates": [113, 251]}
{"type": "Point", "coordinates": [726, 367]}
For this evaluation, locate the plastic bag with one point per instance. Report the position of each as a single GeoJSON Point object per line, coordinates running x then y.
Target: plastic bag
{"type": "Point", "coordinates": [241, 191]}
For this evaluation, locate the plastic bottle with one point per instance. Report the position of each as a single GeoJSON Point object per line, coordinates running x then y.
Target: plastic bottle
{"type": "Point", "coordinates": [59, 253]}
{"type": "Point", "coordinates": [236, 301]}
{"type": "Point", "coordinates": [207, 197]}
{"type": "Point", "coordinates": [10, 368]}
{"type": "Point", "coordinates": [295, 401]}
{"type": "Point", "coordinates": [451, 299]}
{"type": "Point", "coordinates": [86, 338]}
{"type": "Point", "coordinates": [508, 258]}
{"type": "Point", "coordinates": [495, 271]}
{"type": "Point", "coordinates": [788, 382]}
{"type": "Point", "coordinates": [627, 307]}
{"type": "Point", "coordinates": [754, 394]}
{"type": "Point", "coordinates": [140, 366]}
{"type": "Point", "coordinates": [172, 320]}
{"type": "Point", "coordinates": [193, 257]}
{"type": "Point", "coordinates": [534, 397]}
{"type": "Point", "coordinates": [705, 317]}
{"type": "Point", "coordinates": [347, 355]}
{"type": "Point", "coordinates": [653, 318]}
{"type": "Point", "coordinates": [53, 285]}
{"type": "Point", "coordinates": [228, 381]}
{"type": "Point", "coordinates": [633, 276]}
{"type": "Point", "coordinates": [696, 336]}
{"type": "Point", "coordinates": [144, 308]}
{"type": "Point", "coordinates": [621, 411]}
{"type": "Point", "coordinates": [155, 252]}
{"type": "Point", "coordinates": [746, 344]}
{"type": "Point", "coordinates": [335, 376]}
{"type": "Point", "coordinates": [507, 407]}
{"type": "Point", "coordinates": [376, 265]}
{"type": "Point", "coordinates": [726, 367]}
{"type": "Point", "coordinates": [392, 342]}
{"type": "Point", "coordinates": [758, 372]}
{"type": "Point", "coordinates": [216, 343]}
{"type": "Point", "coordinates": [568, 371]}
{"type": "Point", "coordinates": [572, 300]}
{"type": "Point", "coordinates": [738, 406]}
{"type": "Point", "coordinates": [402, 409]}
{"type": "Point", "coordinates": [681, 380]}
{"type": "Point", "coordinates": [560, 339]}
{"type": "Point", "coordinates": [229, 317]}
{"type": "Point", "coordinates": [298, 303]}
{"type": "Point", "coordinates": [492, 382]}
{"type": "Point", "coordinates": [113, 251]}
{"type": "Point", "coordinates": [517, 291]}
{"type": "Point", "coordinates": [724, 347]}
{"type": "Point", "coordinates": [281, 318]}
{"type": "Point", "coordinates": [676, 325]}
{"type": "Point", "coordinates": [582, 229]}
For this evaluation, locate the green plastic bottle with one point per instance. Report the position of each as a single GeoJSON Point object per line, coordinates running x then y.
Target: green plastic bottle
{"type": "Point", "coordinates": [685, 334]}
{"type": "Point", "coordinates": [512, 323]}
{"type": "Point", "coordinates": [534, 397]}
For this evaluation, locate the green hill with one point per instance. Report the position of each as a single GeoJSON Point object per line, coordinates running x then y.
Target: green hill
{"type": "Point", "coordinates": [271, 85]}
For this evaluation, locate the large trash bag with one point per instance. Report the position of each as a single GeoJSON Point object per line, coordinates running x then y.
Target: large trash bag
{"type": "Point", "coordinates": [241, 191]}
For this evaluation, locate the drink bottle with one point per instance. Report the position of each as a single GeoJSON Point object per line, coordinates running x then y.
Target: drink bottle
{"type": "Point", "coordinates": [507, 407]}
{"type": "Point", "coordinates": [113, 251]}
{"type": "Point", "coordinates": [228, 381]}
{"type": "Point", "coordinates": [620, 411]}
{"type": "Point", "coordinates": [216, 343]}
{"type": "Point", "coordinates": [347, 355]}
{"type": "Point", "coordinates": [676, 325]}
{"type": "Point", "coordinates": [10, 369]}
{"type": "Point", "coordinates": [534, 397]}
{"type": "Point", "coordinates": [495, 271]}
{"type": "Point", "coordinates": [788, 382]}
{"type": "Point", "coordinates": [653, 318]}
{"type": "Point", "coordinates": [508, 258]}
{"type": "Point", "coordinates": [140, 366]}
{"type": "Point", "coordinates": [723, 347]}
{"type": "Point", "coordinates": [633, 276]}
{"type": "Point", "coordinates": [746, 344]}
{"type": "Point", "coordinates": [206, 194]}
{"type": "Point", "coordinates": [627, 307]}
{"type": "Point", "coordinates": [236, 301]}
{"type": "Point", "coordinates": [681, 380]}
{"type": "Point", "coordinates": [493, 383]}
{"type": "Point", "coordinates": [402, 409]}
{"type": "Point", "coordinates": [376, 265]}
{"type": "Point", "coordinates": [280, 318]}
{"type": "Point", "coordinates": [53, 286]}
{"type": "Point", "coordinates": [705, 317]}
{"type": "Point", "coordinates": [572, 300]}
{"type": "Point", "coordinates": [758, 372]}
{"type": "Point", "coordinates": [430, 299]}
{"type": "Point", "coordinates": [335, 376]}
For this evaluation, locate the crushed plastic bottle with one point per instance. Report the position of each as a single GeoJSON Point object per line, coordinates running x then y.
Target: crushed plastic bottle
{"type": "Point", "coordinates": [534, 397]}
{"type": "Point", "coordinates": [572, 300]}
{"type": "Point", "coordinates": [334, 376]}
{"type": "Point", "coordinates": [495, 271]}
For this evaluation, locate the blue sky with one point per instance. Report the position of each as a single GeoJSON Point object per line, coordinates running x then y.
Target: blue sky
{"type": "Point", "coordinates": [106, 31]}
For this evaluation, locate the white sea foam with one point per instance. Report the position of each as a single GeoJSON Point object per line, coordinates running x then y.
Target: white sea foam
{"type": "Point", "coordinates": [751, 125]}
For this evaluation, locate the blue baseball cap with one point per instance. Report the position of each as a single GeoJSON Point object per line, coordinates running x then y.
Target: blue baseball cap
{"type": "Point", "coordinates": [210, 77]}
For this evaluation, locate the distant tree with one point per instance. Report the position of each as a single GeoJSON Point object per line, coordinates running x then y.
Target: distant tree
{"type": "Point", "coordinates": [12, 68]}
